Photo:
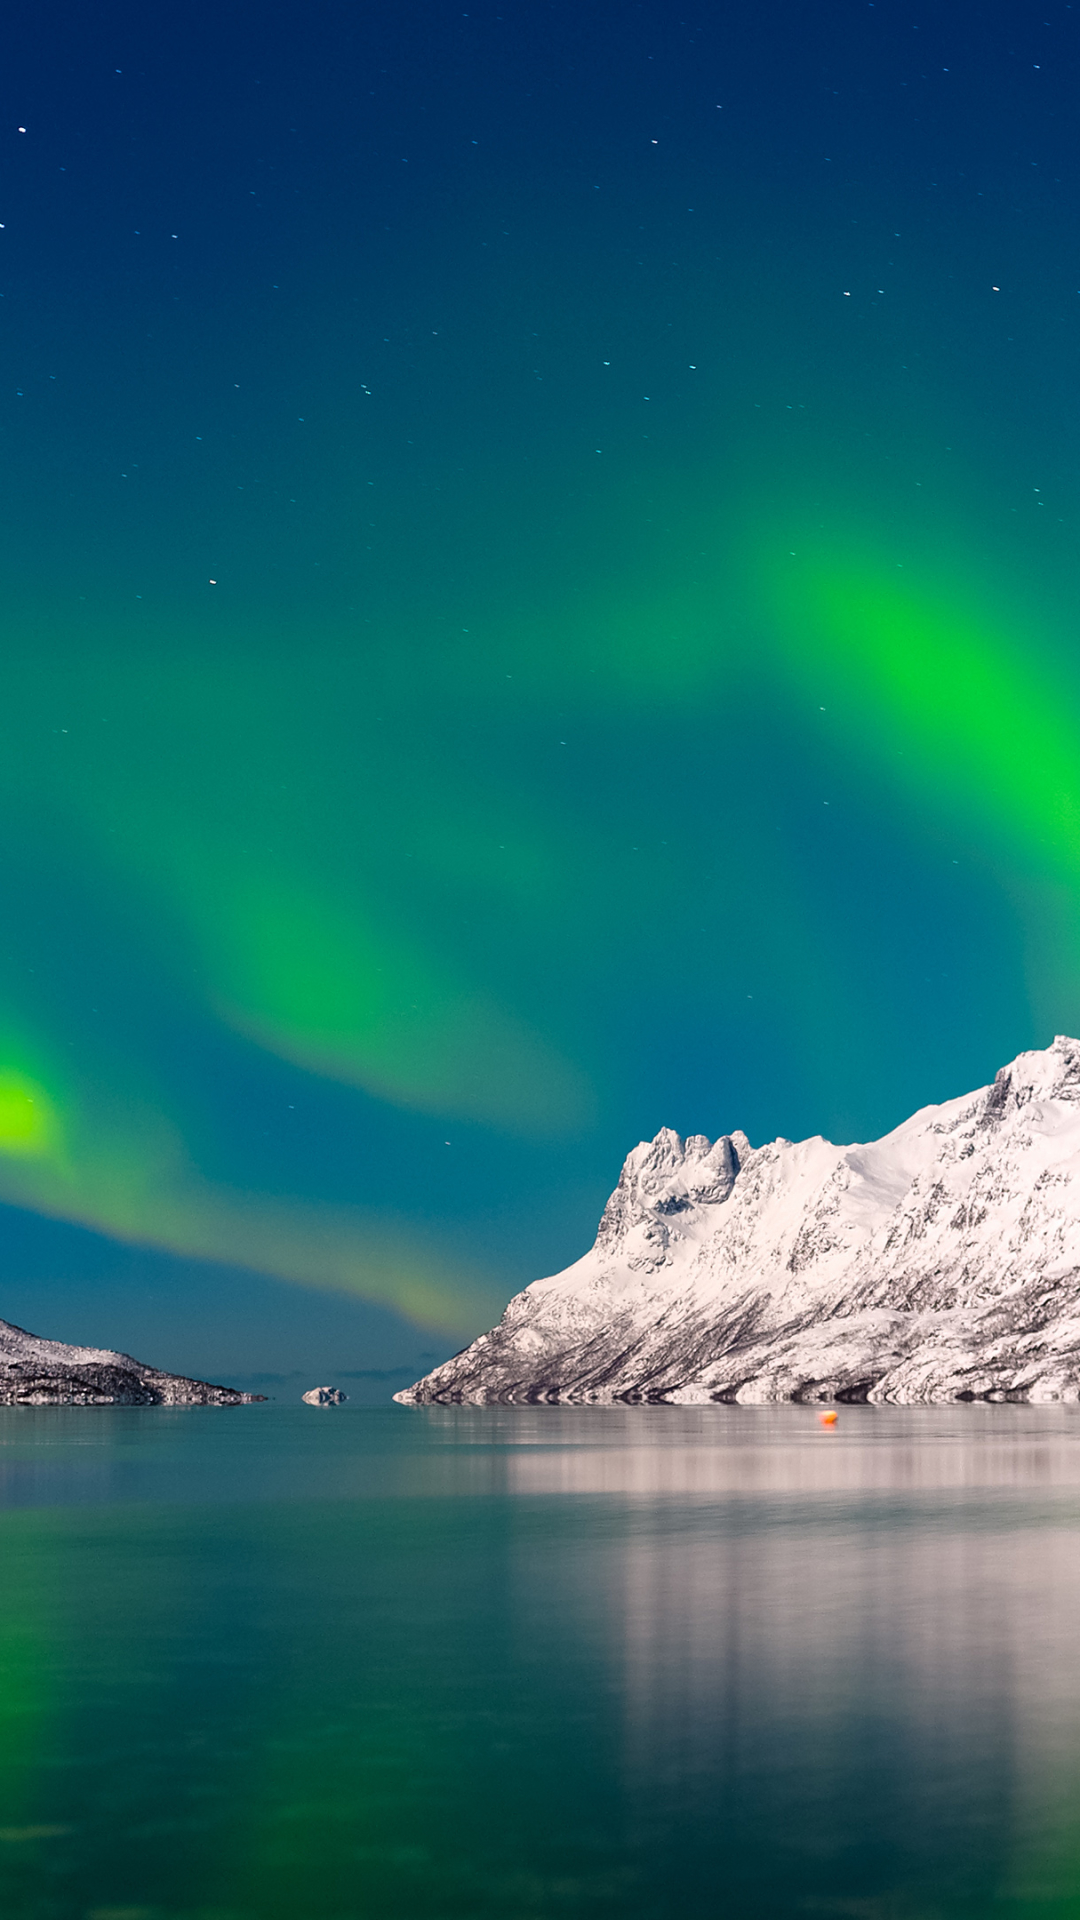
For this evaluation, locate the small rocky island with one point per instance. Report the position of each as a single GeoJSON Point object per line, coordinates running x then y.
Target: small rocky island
{"type": "Point", "coordinates": [940, 1263]}
{"type": "Point", "coordinates": [48, 1373]}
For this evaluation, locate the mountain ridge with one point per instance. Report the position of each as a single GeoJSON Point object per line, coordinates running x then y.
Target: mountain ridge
{"type": "Point", "coordinates": [38, 1373]}
{"type": "Point", "coordinates": [938, 1263]}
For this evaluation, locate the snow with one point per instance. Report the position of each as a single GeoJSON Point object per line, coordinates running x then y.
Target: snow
{"type": "Point", "coordinates": [36, 1372]}
{"type": "Point", "coordinates": [942, 1260]}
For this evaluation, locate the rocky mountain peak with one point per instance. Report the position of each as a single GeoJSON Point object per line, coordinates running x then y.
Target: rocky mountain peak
{"type": "Point", "coordinates": [940, 1262]}
{"type": "Point", "coordinates": [1049, 1073]}
{"type": "Point", "coordinates": [669, 1175]}
{"type": "Point", "coordinates": [1052, 1073]}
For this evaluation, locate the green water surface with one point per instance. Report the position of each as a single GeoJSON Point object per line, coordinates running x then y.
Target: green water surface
{"type": "Point", "coordinates": [434, 1664]}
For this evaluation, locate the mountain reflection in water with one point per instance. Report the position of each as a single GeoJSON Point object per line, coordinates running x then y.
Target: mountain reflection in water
{"type": "Point", "coordinates": [532, 1662]}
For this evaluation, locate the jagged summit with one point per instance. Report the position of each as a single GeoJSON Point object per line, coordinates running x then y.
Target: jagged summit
{"type": "Point", "coordinates": [940, 1262]}
{"type": "Point", "coordinates": [39, 1373]}
{"type": "Point", "coordinates": [665, 1180]}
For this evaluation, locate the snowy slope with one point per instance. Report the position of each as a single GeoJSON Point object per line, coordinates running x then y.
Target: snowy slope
{"type": "Point", "coordinates": [38, 1373]}
{"type": "Point", "coordinates": [942, 1261]}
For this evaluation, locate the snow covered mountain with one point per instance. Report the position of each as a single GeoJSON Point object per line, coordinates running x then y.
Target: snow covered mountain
{"type": "Point", "coordinates": [48, 1373]}
{"type": "Point", "coordinates": [939, 1263]}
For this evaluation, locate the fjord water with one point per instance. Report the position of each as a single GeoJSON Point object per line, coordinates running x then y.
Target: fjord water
{"type": "Point", "coordinates": [438, 1663]}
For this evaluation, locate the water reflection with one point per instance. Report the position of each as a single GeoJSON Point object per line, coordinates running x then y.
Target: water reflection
{"type": "Point", "coordinates": [101, 1456]}
{"type": "Point", "coordinates": [453, 1665]}
{"type": "Point", "coordinates": [846, 1660]}
{"type": "Point", "coordinates": [809, 1461]}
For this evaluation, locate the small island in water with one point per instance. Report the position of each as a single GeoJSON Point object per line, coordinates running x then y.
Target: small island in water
{"type": "Point", "coordinates": [49, 1373]}
{"type": "Point", "coordinates": [940, 1263]}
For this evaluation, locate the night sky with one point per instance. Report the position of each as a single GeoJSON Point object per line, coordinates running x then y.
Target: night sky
{"type": "Point", "coordinates": [539, 564]}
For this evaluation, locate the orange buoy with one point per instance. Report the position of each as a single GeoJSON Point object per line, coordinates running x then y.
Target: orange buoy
{"type": "Point", "coordinates": [829, 1418]}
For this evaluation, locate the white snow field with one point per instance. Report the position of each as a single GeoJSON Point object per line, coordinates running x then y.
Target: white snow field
{"type": "Point", "coordinates": [941, 1262]}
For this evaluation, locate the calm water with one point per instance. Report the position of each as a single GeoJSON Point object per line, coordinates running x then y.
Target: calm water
{"type": "Point", "coordinates": [277, 1661]}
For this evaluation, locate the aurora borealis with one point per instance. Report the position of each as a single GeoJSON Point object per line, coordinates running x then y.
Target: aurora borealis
{"type": "Point", "coordinates": [540, 601]}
